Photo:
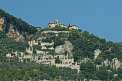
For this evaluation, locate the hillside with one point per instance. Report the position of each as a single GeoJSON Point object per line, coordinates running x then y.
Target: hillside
{"type": "Point", "coordinates": [56, 53]}
{"type": "Point", "coordinates": [15, 27]}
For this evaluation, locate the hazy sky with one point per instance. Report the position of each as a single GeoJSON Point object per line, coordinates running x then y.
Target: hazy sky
{"type": "Point", "coordinates": [100, 17]}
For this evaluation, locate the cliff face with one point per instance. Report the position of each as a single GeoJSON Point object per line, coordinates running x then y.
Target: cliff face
{"type": "Point", "coordinates": [67, 47]}
{"type": "Point", "coordinates": [11, 32]}
{"type": "Point", "coordinates": [2, 24]}
{"type": "Point", "coordinates": [14, 34]}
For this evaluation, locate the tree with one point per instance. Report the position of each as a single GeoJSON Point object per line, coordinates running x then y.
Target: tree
{"type": "Point", "coordinates": [57, 60]}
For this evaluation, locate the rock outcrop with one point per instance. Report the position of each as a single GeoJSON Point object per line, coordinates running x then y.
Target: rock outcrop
{"type": "Point", "coordinates": [12, 33]}
{"type": "Point", "coordinates": [1, 24]}
{"type": "Point", "coordinates": [67, 47]}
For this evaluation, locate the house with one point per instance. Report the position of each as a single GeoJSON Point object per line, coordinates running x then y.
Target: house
{"type": "Point", "coordinates": [38, 28]}
{"type": "Point", "coordinates": [32, 43]}
{"type": "Point", "coordinates": [29, 50]}
{"type": "Point", "coordinates": [52, 25]}
{"type": "Point", "coordinates": [73, 27]}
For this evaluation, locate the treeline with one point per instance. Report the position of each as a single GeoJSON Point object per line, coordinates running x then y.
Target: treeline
{"type": "Point", "coordinates": [35, 72]}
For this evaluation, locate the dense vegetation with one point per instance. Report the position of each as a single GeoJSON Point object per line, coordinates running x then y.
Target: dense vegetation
{"type": "Point", "coordinates": [7, 45]}
{"type": "Point", "coordinates": [19, 24]}
{"type": "Point", "coordinates": [84, 45]}
{"type": "Point", "coordinates": [35, 72]}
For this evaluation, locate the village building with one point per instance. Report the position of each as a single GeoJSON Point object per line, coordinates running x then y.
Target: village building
{"type": "Point", "coordinates": [73, 27]}
{"type": "Point", "coordinates": [52, 25]}
{"type": "Point", "coordinates": [56, 23]}
{"type": "Point", "coordinates": [38, 28]}
{"type": "Point", "coordinates": [43, 53]}
{"type": "Point", "coordinates": [32, 43]}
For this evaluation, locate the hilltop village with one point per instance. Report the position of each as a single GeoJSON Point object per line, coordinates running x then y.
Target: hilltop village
{"type": "Point", "coordinates": [43, 49]}
{"type": "Point", "coordinates": [57, 52]}
{"type": "Point", "coordinates": [63, 55]}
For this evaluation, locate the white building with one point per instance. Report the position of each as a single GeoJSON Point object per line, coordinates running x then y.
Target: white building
{"type": "Point", "coordinates": [73, 27]}
{"type": "Point", "coordinates": [29, 50]}
{"type": "Point", "coordinates": [32, 43]}
{"type": "Point", "coordinates": [52, 25]}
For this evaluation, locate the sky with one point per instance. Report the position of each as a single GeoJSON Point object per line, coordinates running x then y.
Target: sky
{"type": "Point", "coordinates": [100, 17]}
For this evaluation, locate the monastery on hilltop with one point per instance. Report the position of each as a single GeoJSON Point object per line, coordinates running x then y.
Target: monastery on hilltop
{"type": "Point", "coordinates": [56, 23]}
